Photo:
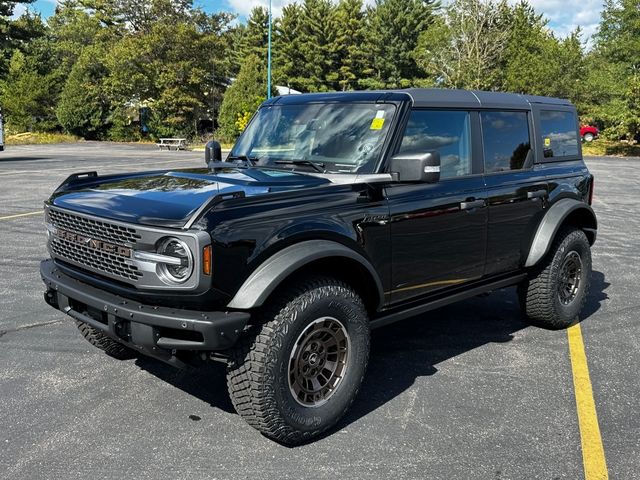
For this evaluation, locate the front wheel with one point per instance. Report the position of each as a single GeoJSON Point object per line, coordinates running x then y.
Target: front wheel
{"type": "Point", "coordinates": [98, 339]}
{"type": "Point", "coordinates": [295, 374]}
{"type": "Point", "coordinates": [588, 137]}
{"type": "Point", "coordinates": [556, 290]}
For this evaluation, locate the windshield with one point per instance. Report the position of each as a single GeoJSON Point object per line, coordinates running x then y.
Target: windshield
{"type": "Point", "coordinates": [329, 137]}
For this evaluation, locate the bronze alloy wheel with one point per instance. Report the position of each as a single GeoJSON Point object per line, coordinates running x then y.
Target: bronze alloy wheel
{"type": "Point", "coordinates": [318, 361]}
{"type": "Point", "coordinates": [570, 275]}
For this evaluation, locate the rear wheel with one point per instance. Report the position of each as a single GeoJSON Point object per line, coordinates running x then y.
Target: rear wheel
{"type": "Point", "coordinates": [588, 137]}
{"type": "Point", "coordinates": [556, 290]}
{"type": "Point", "coordinates": [296, 374]}
{"type": "Point", "coordinates": [98, 339]}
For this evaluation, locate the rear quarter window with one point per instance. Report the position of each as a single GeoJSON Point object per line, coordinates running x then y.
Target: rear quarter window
{"type": "Point", "coordinates": [559, 131]}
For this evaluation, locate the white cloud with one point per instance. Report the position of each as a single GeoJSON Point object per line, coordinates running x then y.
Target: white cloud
{"type": "Point", "coordinates": [19, 10]}
{"type": "Point", "coordinates": [244, 7]}
{"type": "Point", "coordinates": [566, 15]}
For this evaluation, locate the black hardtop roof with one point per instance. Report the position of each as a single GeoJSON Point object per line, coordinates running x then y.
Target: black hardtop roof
{"type": "Point", "coordinates": [426, 97]}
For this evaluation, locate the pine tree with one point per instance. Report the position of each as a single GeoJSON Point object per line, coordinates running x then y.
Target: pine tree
{"type": "Point", "coordinates": [349, 21]}
{"type": "Point", "coordinates": [288, 61]}
{"type": "Point", "coordinates": [255, 37]}
{"type": "Point", "coordinates": [317, 45]}
{"type": "Point", "coordinates": [392, 31]}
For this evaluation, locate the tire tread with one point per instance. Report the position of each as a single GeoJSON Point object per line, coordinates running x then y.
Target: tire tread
{"type": "Point", "coordinates": [248, 368]}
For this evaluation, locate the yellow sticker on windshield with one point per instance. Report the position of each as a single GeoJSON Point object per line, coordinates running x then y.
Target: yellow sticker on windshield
{"type": "Point", "coordinates": [377, 124]}
{"type": "Point", "coordinates": [547, 142]}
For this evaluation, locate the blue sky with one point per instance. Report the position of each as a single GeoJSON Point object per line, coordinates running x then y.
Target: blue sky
{"type": "Point", "coordinates": [564, 15]}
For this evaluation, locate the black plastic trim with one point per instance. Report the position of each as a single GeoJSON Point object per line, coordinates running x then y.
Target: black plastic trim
{"type": "Point", "coordinates": [273, 271]}
{"type": "Point", "coordinates": [550, 224]}
{"type": "Point", "coordinates": [402, 313]}
{"type": "Point", "coordinates": [219, 330]}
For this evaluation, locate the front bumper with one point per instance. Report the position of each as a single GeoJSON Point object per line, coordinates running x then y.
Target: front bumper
{"type": "Point", "coordinates": [155, 331]}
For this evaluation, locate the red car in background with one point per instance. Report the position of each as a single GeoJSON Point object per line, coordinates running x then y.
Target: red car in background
{"type": "Point", "coordinates": [588, 133]}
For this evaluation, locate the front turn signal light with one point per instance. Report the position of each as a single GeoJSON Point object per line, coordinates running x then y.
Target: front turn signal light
{"type": "Point", "coordinates": [206, 260]}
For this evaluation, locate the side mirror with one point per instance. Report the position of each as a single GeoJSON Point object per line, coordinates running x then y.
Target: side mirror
{"type": "Point", "coordinates": [212, 152]}
{"type": "Point", "coordinates": [416, 167]}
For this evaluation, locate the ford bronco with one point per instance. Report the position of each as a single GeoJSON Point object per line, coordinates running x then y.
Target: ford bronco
{"type": "Point", "coordinates": [332, 215]}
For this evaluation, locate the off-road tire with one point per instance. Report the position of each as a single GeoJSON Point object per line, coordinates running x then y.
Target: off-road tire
{"type": "Point", "coordinates": [539, 294]}
{"type": "Point", "coordinates": [258, 370]}
{"type": "Point", "coordinates": [100, 340]}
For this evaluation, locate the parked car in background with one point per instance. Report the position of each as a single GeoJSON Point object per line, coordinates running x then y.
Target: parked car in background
{"type": "Point", "coordinates": [589, 133]}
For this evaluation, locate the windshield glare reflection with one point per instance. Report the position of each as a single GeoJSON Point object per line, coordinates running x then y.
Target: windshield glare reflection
{"type": "Point", "coordinates": [339, 137]}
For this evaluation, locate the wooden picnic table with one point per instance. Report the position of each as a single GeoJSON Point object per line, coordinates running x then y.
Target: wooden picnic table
{"type": "Point", "coordinates": [175, 143]}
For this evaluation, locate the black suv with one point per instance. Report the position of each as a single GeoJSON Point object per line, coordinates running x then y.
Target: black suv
{"type": "Point", "coordinates": [333, 214]}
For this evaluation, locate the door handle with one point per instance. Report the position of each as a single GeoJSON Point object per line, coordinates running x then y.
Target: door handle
{"type": "Point", "coordinates": [537, 194]}
{"type": "Point", "coordinates": [471, 204]}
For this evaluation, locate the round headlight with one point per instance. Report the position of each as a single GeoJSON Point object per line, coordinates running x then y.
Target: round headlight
{"type": "Point", "coordinates": [175, 273]}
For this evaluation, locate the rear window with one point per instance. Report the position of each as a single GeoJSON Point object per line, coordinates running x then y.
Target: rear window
{"type": "Point", "coordinates": [506, 140]}
{"type": "Point", "coordinates": [559, 133]}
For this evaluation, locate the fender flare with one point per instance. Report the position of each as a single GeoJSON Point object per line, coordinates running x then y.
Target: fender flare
{"type": "Point", "coordinates": [273, 271]}
{"type": "Point", "coordinates": [550, 224]}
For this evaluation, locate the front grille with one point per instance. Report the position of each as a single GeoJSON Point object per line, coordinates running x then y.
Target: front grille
{"type": "Point", "coordinates": [90, 258]}
{"type": "Point", "coordinates": [102, 230]}
{"type": "Point", "coordinates": [94, 259]}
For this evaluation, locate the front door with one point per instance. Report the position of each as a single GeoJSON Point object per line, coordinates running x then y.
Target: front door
{"type": "Point", "coordinates": [438, 231]}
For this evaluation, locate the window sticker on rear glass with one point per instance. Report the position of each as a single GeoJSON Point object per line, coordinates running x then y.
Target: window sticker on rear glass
{"type": "Point", "coordinates": [378, 122]}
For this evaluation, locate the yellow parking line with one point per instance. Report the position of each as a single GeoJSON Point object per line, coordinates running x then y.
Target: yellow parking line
{"type": "Point", "coordinates": [595, 465]}
{"type": "Point", "coordinates": [9, 217]}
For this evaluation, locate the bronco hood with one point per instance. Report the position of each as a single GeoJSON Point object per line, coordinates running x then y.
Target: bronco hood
{"type": "Point", "coordinates": [170, 198]}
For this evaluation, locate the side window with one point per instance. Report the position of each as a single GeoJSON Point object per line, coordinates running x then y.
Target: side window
{"type": "Point", "coordinates": [444, 131]}
{"type": "Point", "coordinates": [506, 140]}
{"type": "Point", "coordinates": [559, 133]}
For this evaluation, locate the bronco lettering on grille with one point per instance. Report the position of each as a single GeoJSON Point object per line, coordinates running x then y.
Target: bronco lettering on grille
{"type": "Point", "coordinates": [93, 243]}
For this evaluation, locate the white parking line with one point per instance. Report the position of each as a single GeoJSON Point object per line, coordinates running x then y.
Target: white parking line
{"type": "Point", "coordinates": [19, 215]}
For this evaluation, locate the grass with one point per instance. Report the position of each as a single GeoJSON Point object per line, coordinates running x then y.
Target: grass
{"type": "Point", "coordinates": [602, 147]}
{"type": "Point", "coordinates": [199, 147]}
{"type": "Point", "coordinates": [38, 138]}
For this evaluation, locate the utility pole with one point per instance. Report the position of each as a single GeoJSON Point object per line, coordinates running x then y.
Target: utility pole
{"type": "Point", "coordinates": [269, 56]}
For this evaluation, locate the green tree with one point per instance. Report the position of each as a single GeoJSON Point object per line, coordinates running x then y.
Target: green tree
{"type": "Point", "coordinates": [242, 98]}
{"type": "Point", "coordinates": [255, 35]}
{"type": "Point", "coordinates": [614, 71]}
{"type": "Point", "coordinates": [535, 61]}
{"type": "Point", "coordinates": [465, 46]}
{"type": "Point", "coordinates": [83, 108]}
{"type": "Point", "coordinates": [349, 41]}
{"type": "Point", "coordinates": [71, 30]}
{"type": "Point", "coordinates": [288, 62]}
{"type": "Point", "coordinates": [15, 32]}
{"type": "Point", "coordinates": [318, 46]}
{"type": "Point", "coordinates": [392, 31]}
{"type": "Point", "coordinates": [26, 97]}
{"type": "Point", "coordinates": [138, 15]}
{"type": "Point", "coordinates": [179, 80]}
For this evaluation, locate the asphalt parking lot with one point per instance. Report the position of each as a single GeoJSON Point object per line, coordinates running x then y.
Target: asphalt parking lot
{"type": "Point", "coordinates": [466, 392]}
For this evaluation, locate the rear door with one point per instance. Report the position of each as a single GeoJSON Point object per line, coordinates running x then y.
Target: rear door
{"type": "Point", "coordinates": [516, 192]}
{"type": "Point", "coordinates": [438, 230]}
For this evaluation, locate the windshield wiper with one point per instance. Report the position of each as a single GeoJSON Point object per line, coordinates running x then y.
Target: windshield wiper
{"type": "Point", "coordinates": [246, 159]}
{"type": "Point", "coordinates": [317, 166]}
